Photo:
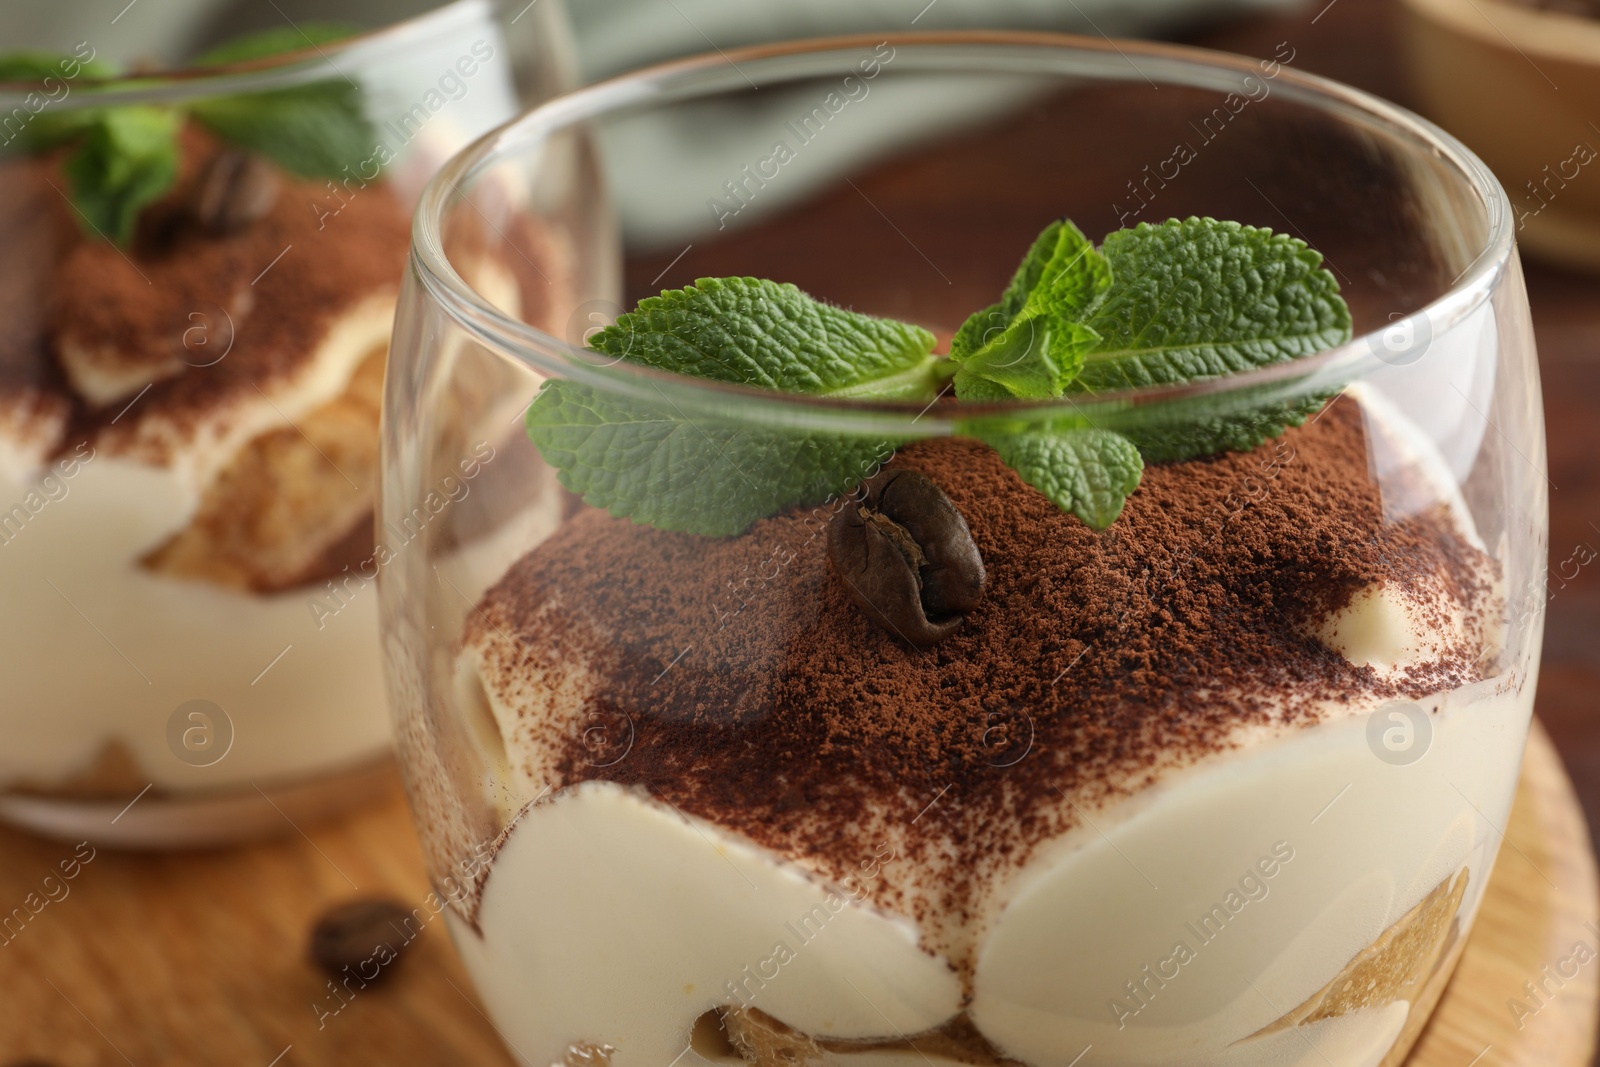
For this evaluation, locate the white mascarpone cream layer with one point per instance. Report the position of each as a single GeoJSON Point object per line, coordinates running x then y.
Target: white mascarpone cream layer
{"type": "Point", "coordinates": [95, 649]}
{"type": "Point", "coordinates": [1178, 924]}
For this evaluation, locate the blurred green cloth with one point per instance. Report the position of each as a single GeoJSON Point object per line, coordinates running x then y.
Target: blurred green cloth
{"type": "Point", "coordinates": [668, 172]}
{"type": "Point", "coordinates": [612, 35]}
{"type": "Point", "coordinates": [618, 35]}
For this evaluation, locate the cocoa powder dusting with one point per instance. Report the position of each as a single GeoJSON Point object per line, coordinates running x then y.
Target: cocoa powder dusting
{"type": "Point", "coordinates": [194, 329]}
{"type": "Point", "coordinates": [151, 306]}
{"type": "Point", "coordinates": [760, 697]}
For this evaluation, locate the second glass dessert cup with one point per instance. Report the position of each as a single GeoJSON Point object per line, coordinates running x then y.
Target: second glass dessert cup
{"type": "Point", "coordinates": [1221, 783]}
{"type": "Point", "coordinates": [197, 286]}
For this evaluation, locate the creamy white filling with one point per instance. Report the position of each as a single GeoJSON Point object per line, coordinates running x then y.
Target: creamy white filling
{"type": "Point", "coordinates": [1239, 891]}
{"type": "Point", "coordinates": [1385, 627]}
{"type": "Point", "coordinates": [95, 649]}
{"type": "Point", "coordinates": [670, 918]}
{"type": "Point", "coordinates": [101, 376]}
{"type": "Point", "coordinates": [613, 919]}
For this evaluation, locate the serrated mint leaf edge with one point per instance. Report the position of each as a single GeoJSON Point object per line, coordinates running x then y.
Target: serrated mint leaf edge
{"type": "Point", "coordinates": [902, 363]}
{"type": "Point", "coordinates": [561, 439]}
{"type": "Point", "coordinates": [1033, 301]}
{"type": "Point", "coordinates": [1331, 325]}
{"type": "Point", "coordinates": [1102, 468]}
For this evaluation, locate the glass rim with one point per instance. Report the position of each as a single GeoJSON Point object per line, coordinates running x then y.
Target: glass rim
{"type": "Point", "coordinates": [314, 62]}
{"type": "Point", "coordinates": [707, 74]}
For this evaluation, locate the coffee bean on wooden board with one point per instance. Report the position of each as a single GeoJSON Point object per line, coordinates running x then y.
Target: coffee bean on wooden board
{"type": "Point", "coordinates": [363, 936]}
{"type": "Point", "coordinates": [907, 557]}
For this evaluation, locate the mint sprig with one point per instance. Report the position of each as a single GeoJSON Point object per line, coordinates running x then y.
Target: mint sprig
{"type": "Point", "coordinates": [1177, 302]}
{"type": "Point", "coordinates": [1162, 304]}
{"type": "Point", "coordinates": [1033, 342]}
{"type": "Point", "coordinates": [126, 157]}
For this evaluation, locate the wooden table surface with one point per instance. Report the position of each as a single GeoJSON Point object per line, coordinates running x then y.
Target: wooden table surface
{"type": "Point", "coordinates": [199, 958]}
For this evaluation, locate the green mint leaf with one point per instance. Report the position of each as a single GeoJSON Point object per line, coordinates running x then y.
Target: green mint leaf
{"type": "Point", "coordinates": [1177, 302]}
{"type": "Point", "coordinates": [1165, 304]}
{"type": "Point", "coordinates": [1032, 344]}
{"type": "Point", "coordinates": [1206, 426]}
{"type": "Point", "coordinates": [770, 334]}
{"type": "Point", "coordinates": [315, 131]}
{"type": "Point", "coordinates": [275, 42]}
{"type": "Point", "coordinates": [1062, 274]}
{"type": "Point", "coordinates": [1087, 472]}
{"type": "Point", "coordinates": [649, 463]}
{"type": "Point", "coordinates": [127, 158]}
{"type": "Point", "coordinates": [1034, 358]}
{"type": "Point", "coordinates": [654, 464]}
{"type": "Point", "coordinates": [979, 328]}
{"type": "Point", "coordinates": [975, 390]}
{"type": "Point", "coordinates": [1197, 298]}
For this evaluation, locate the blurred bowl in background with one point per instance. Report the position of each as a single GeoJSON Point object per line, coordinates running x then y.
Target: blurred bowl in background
{"type": "Point", "coordinates": [1521, 86]}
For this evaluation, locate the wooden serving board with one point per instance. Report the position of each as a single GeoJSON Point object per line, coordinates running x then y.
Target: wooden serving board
{"type": "Point", "coordinates": [163, 960]}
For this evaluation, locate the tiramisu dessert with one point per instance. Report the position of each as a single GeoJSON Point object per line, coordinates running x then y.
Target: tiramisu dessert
{"type": "Point", "coordinates": [191, 363]}
{"type": "Point", "coordinates": [1176, 740]}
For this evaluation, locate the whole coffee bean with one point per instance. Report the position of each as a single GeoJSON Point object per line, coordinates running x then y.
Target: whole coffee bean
{"type": "Point", "coordinates": [362, 935]}
{"type": "Point", "coordinates": [907, 557]}
{"type": "Point", "coordinates": [238, 188]}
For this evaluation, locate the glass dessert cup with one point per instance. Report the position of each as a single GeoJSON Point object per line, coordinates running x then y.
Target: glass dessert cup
{"type": "Point", "coordinates": [1220, 784]}
{"type": "Point", "coordinates": [189, 418]}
